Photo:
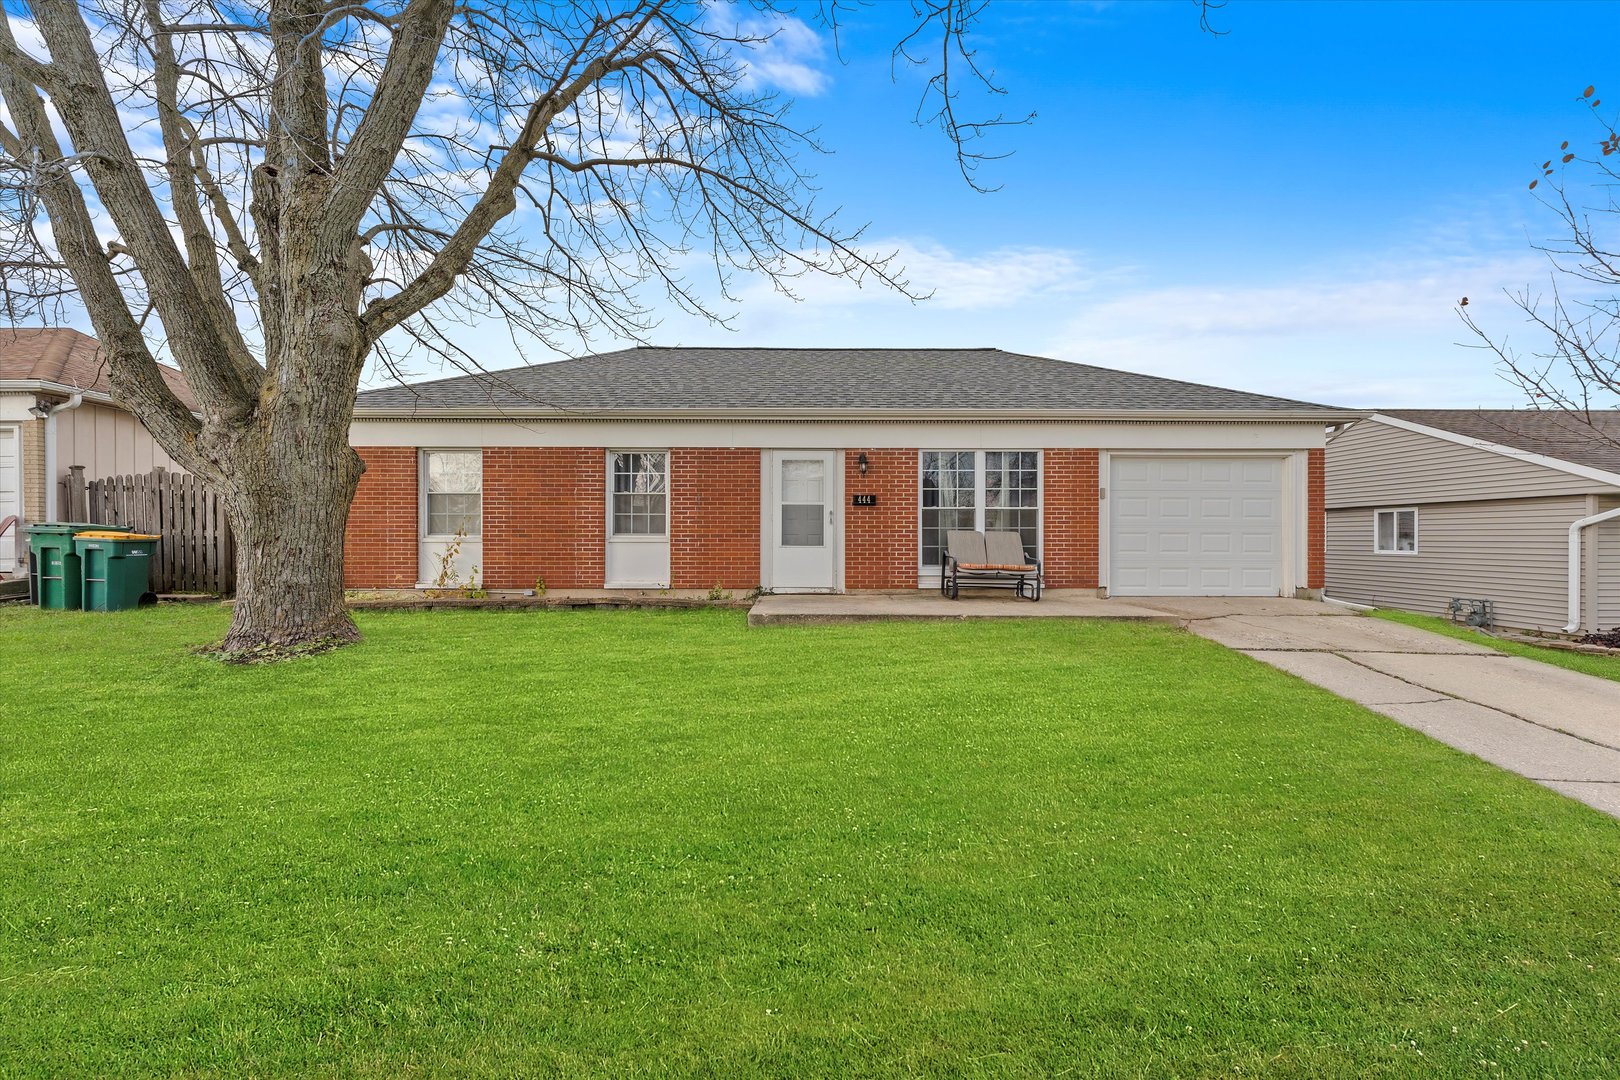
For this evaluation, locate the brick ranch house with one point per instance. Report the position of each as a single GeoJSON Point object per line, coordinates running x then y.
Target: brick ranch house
{"type": "Point", "coordinates": [833, 470]}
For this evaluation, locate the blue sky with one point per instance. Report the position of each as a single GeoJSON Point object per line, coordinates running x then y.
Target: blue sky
{"type": "Point", "coordinates": [1293, 207]}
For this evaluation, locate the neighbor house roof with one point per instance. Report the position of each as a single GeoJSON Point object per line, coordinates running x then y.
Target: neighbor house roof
{"type": "Point", "coordinates": [1590, 438]}
{"type": "Point", "coordinates": [698, 381]}
{"type": "Point", "coordinates": [56, 359]}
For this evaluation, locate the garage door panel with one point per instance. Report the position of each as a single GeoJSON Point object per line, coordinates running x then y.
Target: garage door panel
{"type": "Point", "coordinates": [1172, 579]}
{"type": "Point", "coordinates": [1267, 473]}
{"type": "Point", "coordinates": [1132, 543]}
{"type": "Point", "coordinates": [1195, 526]}
{"type": "Point", "coordinates": [1133, 471]}
{"type": "Point", "coordinates": [1259, 544]}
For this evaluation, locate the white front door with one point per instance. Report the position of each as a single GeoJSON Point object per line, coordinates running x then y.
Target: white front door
{"type": "Point", "coordinates": [804, 521]}
{"type": "Point", "coordinates": [1195, 526]}
{"type": "Point", "coordinates": [10, 495]}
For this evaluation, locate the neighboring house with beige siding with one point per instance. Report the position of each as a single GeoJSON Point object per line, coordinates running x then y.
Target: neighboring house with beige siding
{"type": "Point", "coordinates": [57, 410]}
{"type": "Point", "coordinates": [1428, 505]}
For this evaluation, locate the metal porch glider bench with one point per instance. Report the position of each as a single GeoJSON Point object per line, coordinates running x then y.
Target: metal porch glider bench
{"type": "Point", "coordinates": [990, 560]}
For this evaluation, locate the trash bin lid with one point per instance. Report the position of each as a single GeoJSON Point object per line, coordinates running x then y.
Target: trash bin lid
{"type": "Point", "coordinates": [56, 528]}
{"type": "Point", "coordinates": [104, 534]}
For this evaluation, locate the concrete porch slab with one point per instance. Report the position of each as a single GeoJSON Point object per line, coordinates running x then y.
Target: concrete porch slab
{"type": "Point", "coordinates": [804, 608]}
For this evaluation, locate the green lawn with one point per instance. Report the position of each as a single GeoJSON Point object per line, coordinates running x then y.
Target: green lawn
{"type": "Point", "coordinates": [660, 843]}
{"type": "Point", "coordinates": [1599, 664]}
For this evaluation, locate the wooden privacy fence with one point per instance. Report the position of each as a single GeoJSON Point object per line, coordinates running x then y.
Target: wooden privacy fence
{"type": "Point", "coordinates": [197, 553]}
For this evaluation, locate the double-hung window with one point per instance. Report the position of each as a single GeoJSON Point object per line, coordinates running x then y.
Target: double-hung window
{"type": "Point", "coordinates": [979, 489]}
{"type": "Point", "coordinates": [454, 482]}
{"type": "Point", "coordinates": [1394, 531]}
{"type": "Point", "coordinates": [640, 491]}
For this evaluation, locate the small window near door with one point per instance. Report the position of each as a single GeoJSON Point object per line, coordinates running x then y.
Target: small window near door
{"type": "Point", "coordinates": [455, 492]}
{"type": "Point", "coordinates": [1394, 532]}
{"type": "Point", "coordinates": [640, 488]}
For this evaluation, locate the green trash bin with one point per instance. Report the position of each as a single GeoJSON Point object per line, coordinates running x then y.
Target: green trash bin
{"type": "Point", "coordinates": [117, 568]}
{"type": "Point", "coordinates": [55, 580]}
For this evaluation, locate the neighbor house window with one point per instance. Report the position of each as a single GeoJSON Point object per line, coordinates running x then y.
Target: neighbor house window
{"type": "Point", "coordinates": [979, 489]}
{"type": "Point", "coordinates": [455, 492]}
{"type": "Point", "coordinates": [640, 488]}
{"type": "Point", "coordinates": [1394, 531]}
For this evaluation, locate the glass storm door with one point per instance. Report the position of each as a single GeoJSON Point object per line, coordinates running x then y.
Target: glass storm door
{"type": "Point", "coordinates": [805, 520]}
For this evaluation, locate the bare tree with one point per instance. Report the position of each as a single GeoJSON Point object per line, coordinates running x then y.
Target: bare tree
{"type": "Point", "coordinates": [272, 192]}
{"type": "Point", "coordinates": [1574, 369]}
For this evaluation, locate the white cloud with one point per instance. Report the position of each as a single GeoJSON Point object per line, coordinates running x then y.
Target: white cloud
{"type": "Point", "coordinates": [785, 53]}
{"type": "Point", "coordinates": [1386, 334]}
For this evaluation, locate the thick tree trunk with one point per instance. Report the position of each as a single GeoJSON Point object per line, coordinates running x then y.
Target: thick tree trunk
{"type": "Point", "coordinates": [290, 470]}
{"type": "Point", "coordinates": [288, 517]}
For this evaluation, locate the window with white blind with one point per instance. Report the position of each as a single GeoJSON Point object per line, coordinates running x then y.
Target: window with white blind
{"type": "Point", "coordinates": [453, 482]}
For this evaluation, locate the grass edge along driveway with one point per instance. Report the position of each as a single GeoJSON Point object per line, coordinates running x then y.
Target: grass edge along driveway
{"type": "Point", "coordinates": [661, 843]}
{"type": "Point", "coordinates": [1602, 665]}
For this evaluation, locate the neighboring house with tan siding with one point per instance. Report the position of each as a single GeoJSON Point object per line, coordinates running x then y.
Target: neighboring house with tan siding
{"type": "Point", "coordinates": [1427, 505]}
{"type": "Point", "coordinates": [57, 410]}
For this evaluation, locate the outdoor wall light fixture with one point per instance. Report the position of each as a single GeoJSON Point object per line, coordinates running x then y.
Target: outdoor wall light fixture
{"type": "Point", "coordinates": [862, 462]}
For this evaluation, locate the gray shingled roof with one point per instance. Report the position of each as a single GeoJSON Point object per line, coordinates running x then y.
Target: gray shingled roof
{"type": "Point", "coordinates": [696, 380]}
{"type": "Point", "coordinates": [1591, 439]}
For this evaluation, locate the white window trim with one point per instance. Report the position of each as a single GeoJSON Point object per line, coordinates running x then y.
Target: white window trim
{"type": "Point", "coordinates": [422, 517]}
{"type": "Point", "coordinates": [978, 495]}
{"type": "Point", "coordinates": [638, 538]}
{"type": "Point", "coordinates": [1396, 531]}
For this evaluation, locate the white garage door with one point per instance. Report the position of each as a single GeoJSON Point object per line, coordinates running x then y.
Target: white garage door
{"type": "Point", "coordinates": [1195, 526]}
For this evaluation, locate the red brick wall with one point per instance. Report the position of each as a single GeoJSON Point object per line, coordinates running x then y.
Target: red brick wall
{"type": "Point", "coordinates": [714, 518]}
{"type": "Point", "coordinates": [1316, 524]}
{"type": "Point", "coordinates": [380, 543]}
{"type": "Point", "coordinates": [881, 542]}
{"type": "Point", "coordinates": [1069, 519]}
{"type": "Point", "coordinates": [545, 516]}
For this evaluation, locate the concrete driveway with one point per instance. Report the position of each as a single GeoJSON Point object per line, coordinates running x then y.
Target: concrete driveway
{"type": "Point", "coordinates": [1558, 727]}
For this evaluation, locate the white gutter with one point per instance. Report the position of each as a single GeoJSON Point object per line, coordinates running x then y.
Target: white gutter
{"type": "Point", "coordinates": [52, 481]}
{"type": "Point", "coordinates": [1575, 530]}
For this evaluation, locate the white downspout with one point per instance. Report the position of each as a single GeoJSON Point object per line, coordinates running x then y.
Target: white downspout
{"type": "Point", "coordinates": [1575, 530]}
{"type": "Point", "coordinates": [52, 481]}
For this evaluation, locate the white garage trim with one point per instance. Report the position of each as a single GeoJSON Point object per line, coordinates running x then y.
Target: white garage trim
{"type": "Point", "coordinates": [1292, 553]}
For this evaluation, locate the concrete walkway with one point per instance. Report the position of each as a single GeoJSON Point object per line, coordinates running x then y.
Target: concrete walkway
{"type": "Point", "coordinates": [1557, 727]}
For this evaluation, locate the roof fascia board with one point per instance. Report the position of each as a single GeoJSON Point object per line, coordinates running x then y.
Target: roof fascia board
{"type": "Point", "coordinates": [1585, 472]}
{"type": "Point", "coordinates": [1289, 416]}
